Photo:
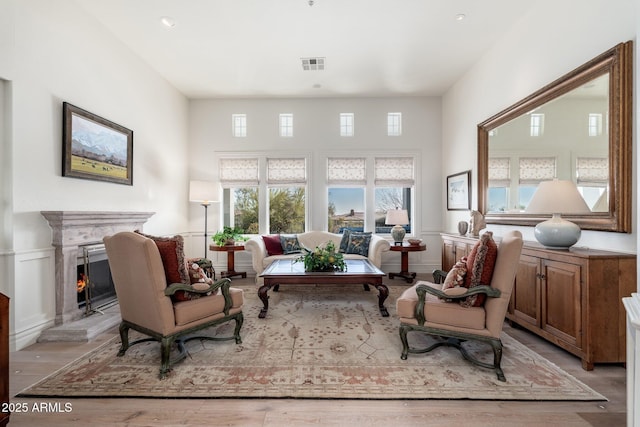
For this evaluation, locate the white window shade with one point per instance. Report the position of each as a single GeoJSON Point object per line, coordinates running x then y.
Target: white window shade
{"type": "Point", "coordinates": [394, 171]}
{"type": "Point", "coordinates": [534, 170]}
{"type": "Point", "coordinates": [499, 172]}
{"type": "Point", "coordinates": [346, 170]}
{"type": "Point", "coordinates": [239, 172]}
{"type": "Point", "coordinates": [286, 171]}
{"type": "Point", "coordinates": [592, 171]}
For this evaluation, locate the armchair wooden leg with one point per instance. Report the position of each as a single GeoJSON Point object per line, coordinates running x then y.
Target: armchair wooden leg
{"type": "Point", "coordinates": [236, 332]}
{"type": "Point", "coordinates": [124, 339]}
{"type": "Point", "coordinates": [405, 342]}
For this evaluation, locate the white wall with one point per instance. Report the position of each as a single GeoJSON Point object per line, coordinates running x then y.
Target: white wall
{"type": "Point", "coordinates": [553, 39]}
{"type": "Point", "coordinates": [316, 131]}
{"type": "Point", "coordinates": [53, 52]}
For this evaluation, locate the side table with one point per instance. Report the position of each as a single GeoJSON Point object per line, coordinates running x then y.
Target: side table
{"type": "Point", "coordinates": [231, 251]}
{"type": "Point", "coordinates": [404, 250]}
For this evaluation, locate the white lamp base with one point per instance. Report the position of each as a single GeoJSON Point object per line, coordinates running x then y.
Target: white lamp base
{"type": "Point", "coordinates": [557, 233]}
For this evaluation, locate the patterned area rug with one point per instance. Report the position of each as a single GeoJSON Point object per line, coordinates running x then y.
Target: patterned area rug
{"type": "Point", "coordinates": [316, 342]}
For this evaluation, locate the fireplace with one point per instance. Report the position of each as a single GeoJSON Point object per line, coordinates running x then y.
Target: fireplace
{"type": "Point", "coordinates": [94, 282]}
{"type": "Point", "coordinates": [71, 232]}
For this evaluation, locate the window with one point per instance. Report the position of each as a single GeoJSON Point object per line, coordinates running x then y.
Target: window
{"type": "Point", "coordinates": [499, 183]}
{"type": "Point", "coordinates": [592, 179]}
{"type": "Point", "coordinates": [274, 205]}
{"type": "Point", "coordinates": [347, 179]}
{"type": "Point", "coordinates": [537, 124]}
{"type": "Point", "coordinates": [595, 124]}
{"type": "Point", "coordinates": [239, 125]}
{"type": "Point", "coordinates": [286, 125]}
{"type": "Point", "coordinates": [391, 188]}
{"type": "Point", "coordinates": [393, 180]}
{"type": "Point", "coordinates": [346, 124]}
{"type": "Point", "coordinates": [532, 171]}
{"type": "Point", "coordinates": [394, 124]}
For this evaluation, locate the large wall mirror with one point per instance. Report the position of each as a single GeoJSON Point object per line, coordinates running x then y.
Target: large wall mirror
{"type": "Point", "coordinates": [577, 128]}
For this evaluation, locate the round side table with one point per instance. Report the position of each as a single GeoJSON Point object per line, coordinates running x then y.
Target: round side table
{"type": "Point", "coordinates": [231, 251]}
{"type": "Point", "coordinates": [404, 250]}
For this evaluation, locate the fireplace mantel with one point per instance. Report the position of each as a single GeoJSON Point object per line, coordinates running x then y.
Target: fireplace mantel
{"type": "Point", "coordinates": [71, 229]}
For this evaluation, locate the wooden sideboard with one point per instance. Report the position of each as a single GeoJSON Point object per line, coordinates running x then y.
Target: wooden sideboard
{"type": "Point", "coordinates": [572, 298]}
{"type": "Point", "coordinates": [4, 358]}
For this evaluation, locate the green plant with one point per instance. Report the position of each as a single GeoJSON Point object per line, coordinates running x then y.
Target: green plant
{"type": "Point", "coordinates": [323, 259]}
{"type": "Point", "coordinates": [227, 235]}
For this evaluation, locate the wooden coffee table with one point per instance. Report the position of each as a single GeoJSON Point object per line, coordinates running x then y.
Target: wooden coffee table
{"type": "Point", "coordinates": [287, 272]}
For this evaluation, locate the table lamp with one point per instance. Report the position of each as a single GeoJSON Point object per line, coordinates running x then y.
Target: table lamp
{"type": "Point", "coordinates": [557, 197]}
{"type": "Point", "coordinates": [397, 218]}
{"type": "Point", "coordinates": [205, 193]}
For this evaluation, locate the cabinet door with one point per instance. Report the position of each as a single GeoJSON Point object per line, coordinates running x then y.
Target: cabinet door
{"type": "Point", "coordinates": [561, 293]}
{"type": "Point", "coordinates": [526, 291]}
{"type": "Point", "coordinates": [448, 255]}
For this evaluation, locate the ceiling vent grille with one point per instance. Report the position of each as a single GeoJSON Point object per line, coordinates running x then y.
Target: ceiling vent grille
{"type": "Point", "coordinates": [311, 64]}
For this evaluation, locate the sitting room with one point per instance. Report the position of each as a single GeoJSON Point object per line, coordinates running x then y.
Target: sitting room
{"type": "Point", "coordinates": [394, 139]}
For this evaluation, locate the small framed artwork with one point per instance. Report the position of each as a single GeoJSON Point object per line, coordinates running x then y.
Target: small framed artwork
{"type": "Point", "coordinates": [458, 191]}
{"type": "Point", "coordinates": [95, 148]}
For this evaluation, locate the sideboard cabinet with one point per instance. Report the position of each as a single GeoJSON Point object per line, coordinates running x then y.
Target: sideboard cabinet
{"type": "Point", "coordinates": [572, 298]}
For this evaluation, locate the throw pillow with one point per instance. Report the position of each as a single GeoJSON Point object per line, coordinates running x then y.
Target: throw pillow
{"type": "Point", "coordinates": [290, 244]}
{"type": "Point", "coordinates": [480, 264]}
{"type": "Point", "coordinates": [456, 275]}
{"type": "Point", "coordinates": [198, 278]}
{"type": "Point", "coordinates": [172, 254]}
{"type": "Point", "coordinates": [344, 242]}
{"type": "Point", "coordinates": [359, 243]}
{"type": "Point", "coordinates": [272, 244]}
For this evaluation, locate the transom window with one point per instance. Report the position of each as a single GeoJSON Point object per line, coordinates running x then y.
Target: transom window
{"type": "Point", "coordinates": [394, 124]}
{"type": "Point", "coordinates": [286, 124]}
{"type": "Point", "coordinates": [239, 125]}
{"type": "Point", "coordinates": [537, 124]}
{"type": "Point", "coordinates": [346, 124]}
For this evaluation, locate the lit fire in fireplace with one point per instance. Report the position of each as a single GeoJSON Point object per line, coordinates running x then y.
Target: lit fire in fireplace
{"type": "Point", "coordinates": [82, 282]}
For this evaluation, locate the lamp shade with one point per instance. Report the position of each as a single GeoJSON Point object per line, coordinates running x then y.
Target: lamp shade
{"type": "Point", "coordinates": [203, 192]}
{"type": "Point", "coordinates": [557, 197]}
{"type": "Point", "coordinates": [397, 217]}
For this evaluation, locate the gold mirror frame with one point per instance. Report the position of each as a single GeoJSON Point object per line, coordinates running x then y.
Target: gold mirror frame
{"type": "Point", "coordinates": [617, 62]}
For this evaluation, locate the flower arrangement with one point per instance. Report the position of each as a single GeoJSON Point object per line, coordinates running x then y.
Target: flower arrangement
{"type": "Point", "coordinates": [323, 259]}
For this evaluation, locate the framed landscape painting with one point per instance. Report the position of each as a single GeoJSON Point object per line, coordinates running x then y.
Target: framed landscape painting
{"type": "Point", "coordinates": [458, 191]}
{"type": "Point", "coordinates": [95, 148]}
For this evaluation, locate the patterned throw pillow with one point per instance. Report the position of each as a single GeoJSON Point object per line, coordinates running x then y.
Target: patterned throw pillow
{"type": "Point", "coordinates": [359, 243]}
{"type": "Point", "coordinates": [456, 275]}
{"type": "Point", "coordinates": [272, 244]}
{"type": "Point", "coordinates": [172, 254]}
{"type": "Point", "coordinates": [480, 264]}
{"type": "Point", "coordinates": [290, 244]}
{"type": "Point", "coordinates": [344, 242]}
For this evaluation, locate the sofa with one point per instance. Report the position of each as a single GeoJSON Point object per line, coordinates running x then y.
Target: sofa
{"type": "Point", "coordinates": [261, 259]}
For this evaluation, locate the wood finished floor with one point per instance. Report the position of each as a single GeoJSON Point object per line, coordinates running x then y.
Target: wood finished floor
{"type": "Point", "coordinates": [39, 360]}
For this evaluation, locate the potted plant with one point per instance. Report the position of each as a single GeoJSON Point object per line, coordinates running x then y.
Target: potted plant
{"type": "Point", "coordinates": [228, 236]}
{"type": "Point", "coordinates": [322, 259]}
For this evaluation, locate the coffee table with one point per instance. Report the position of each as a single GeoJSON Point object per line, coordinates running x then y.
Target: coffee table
{"type": "Point", "coordinates": [288, 272]}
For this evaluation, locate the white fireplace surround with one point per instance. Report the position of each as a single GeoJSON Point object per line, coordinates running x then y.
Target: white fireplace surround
{"type": "Point", "coordinates": [72, 229]}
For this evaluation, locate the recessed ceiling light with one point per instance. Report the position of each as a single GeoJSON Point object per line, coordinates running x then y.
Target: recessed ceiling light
{"type": "Point", "coordinates": [168, 21]}
{"type": "Point", "coordinates": [460, 17]}
{"type": "Point", "coordinates": [317, 86]}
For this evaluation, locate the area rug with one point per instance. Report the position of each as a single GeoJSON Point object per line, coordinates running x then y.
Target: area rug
{"type": "Point", "coordinates": [316, 342]}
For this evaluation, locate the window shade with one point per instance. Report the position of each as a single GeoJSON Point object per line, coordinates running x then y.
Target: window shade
{"type": "Point", "coordinates": [592, 170]}
{"type": "Point", "coordinates": [395, 171]}
{"type": "Point", "coordinates": [239, 172]}
{"type": "Point", "coordinates": [499, 172]}
{"type": "Point", "coordinates": [534, 170]}
{"type": "Point", "coordinates": [346, 170]}
{"type": "Point", "coordinates": [286, 171]}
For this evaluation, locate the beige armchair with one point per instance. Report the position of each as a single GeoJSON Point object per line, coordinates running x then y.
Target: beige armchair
{"type": "Point", "coordinates": [426, 308]}
{"type": "Point", "coordinates": [146, 303]}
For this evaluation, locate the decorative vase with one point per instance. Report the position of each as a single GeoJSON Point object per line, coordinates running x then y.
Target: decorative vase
{"type": "Point", "coordinates": [463, 226]}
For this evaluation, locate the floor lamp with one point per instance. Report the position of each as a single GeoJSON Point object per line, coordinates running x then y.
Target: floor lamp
{"type": "Point", "coordinates": [205, 193]}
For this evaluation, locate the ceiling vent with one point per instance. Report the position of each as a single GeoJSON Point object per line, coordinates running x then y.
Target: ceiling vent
{"type": "Point", "coordinates": [309, 64]}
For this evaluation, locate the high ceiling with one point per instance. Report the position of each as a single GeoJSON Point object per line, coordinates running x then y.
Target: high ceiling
{"type": "Point", "coordinates": [253, 48]}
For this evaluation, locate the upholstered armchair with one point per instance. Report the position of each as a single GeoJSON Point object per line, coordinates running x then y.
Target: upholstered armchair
{"type": "Point", "coordinates": [166, 313]}
{"type": "Point", "coordinates": [453, 314]}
